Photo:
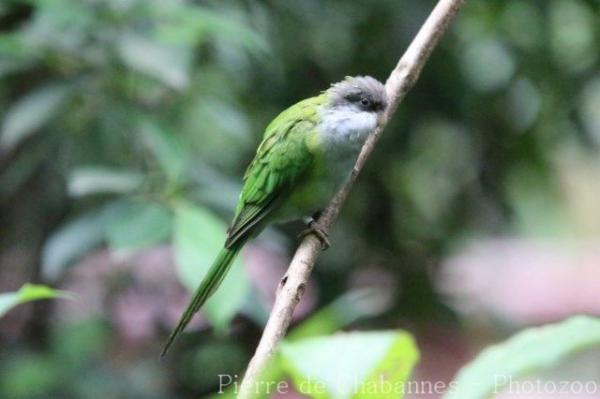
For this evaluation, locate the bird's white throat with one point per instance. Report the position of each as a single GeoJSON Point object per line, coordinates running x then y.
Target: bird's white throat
{"type": "Point", "coordinates": [345, 129]}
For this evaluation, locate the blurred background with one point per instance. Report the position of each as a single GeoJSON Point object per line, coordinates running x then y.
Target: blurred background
{"type": "Point", "coordinates": [126, 126]}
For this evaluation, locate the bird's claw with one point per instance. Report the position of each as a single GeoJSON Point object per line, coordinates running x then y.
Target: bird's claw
{"type": "Point", "coordinates": [318, 231]}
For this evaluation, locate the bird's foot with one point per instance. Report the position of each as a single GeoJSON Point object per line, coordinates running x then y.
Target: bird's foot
{"type": "Point", "coordinates": [318, 231]}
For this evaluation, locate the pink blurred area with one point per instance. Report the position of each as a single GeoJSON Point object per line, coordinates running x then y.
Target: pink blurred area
{"type": "Point", "coordinates": [132, 293]}
{"type": "Point", "coordinates": [523, 282]}
{"type": "Point", "coordinates": [141, 294]}
{"type": "Point", "coordinates": [502, 285]}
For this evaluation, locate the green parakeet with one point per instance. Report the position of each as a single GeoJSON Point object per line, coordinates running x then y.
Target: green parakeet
{"type": "Point", "coordinates": [306, 154]}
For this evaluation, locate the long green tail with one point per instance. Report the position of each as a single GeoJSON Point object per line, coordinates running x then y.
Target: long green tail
{"type": "Point", "coordinates": [207, 287]}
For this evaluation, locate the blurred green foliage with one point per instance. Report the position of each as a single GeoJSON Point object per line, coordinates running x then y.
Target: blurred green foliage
{"type": "Point", "coordinates": [525, 353]}
{"type": "Point", "coordinates": [128, 123]}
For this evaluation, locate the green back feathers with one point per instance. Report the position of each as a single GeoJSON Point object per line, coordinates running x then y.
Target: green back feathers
{"type": "Point", "coordinates": [285, 155]}
{"type": "Point", "coordinates": [305, 110]}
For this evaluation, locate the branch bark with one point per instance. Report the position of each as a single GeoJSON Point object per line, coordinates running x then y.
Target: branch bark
{"type": "Point", "coordinates": [400, 81]}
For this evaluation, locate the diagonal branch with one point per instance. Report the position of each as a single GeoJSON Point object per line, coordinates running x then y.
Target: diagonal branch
{"type": "Point", "coordinates": [400, 81]}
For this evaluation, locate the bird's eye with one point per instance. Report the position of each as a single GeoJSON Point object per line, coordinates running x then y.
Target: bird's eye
{"type": "Point", "coordinates": [365, 102]}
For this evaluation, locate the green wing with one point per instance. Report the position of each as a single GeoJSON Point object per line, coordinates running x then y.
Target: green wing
{"type": "Point", "coordinates": [282, 159]}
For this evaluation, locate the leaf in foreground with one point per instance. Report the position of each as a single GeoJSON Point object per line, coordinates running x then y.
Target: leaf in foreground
{"type": "Point", "coordinates": [28, 293]}
{"type": "Point", "coordinates": [351, 365]}
{"type": "Point", "coordinates": [529, 351]}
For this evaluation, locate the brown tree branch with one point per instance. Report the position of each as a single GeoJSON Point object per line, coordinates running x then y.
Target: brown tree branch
{"type": "Point", "coordinates": [402, 78]}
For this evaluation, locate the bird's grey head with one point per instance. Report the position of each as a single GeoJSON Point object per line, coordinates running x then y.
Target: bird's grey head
{"type": "Point", "coordinates": [363, 93]}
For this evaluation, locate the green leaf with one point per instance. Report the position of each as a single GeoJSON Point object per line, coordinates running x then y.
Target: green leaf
{"type": "Point", "coordinates": [190, 24]}
{"type": "Point", "coordinates": [168, 64]}
{"type": "Point", "coordinates": [75, 238]}
{"type": "Point", "coordinates": [99, 180]}
{"type": "Point", "coordinates": [351, 365]}
{"type": "Point", "coordinates": [30, 113]}
{"type": "Point", "coordinates": [199, 236]}
{"type": "Point", "coordinates": [28, 293]}
{"type": "Point", "coordinates": [529, 351]}
{"type": "Point", "coordinates": [138, 225]}
{"type": "Point", "coordinates": [166, 148]}
{"type": "Point", "coordinates": [227, 27]}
